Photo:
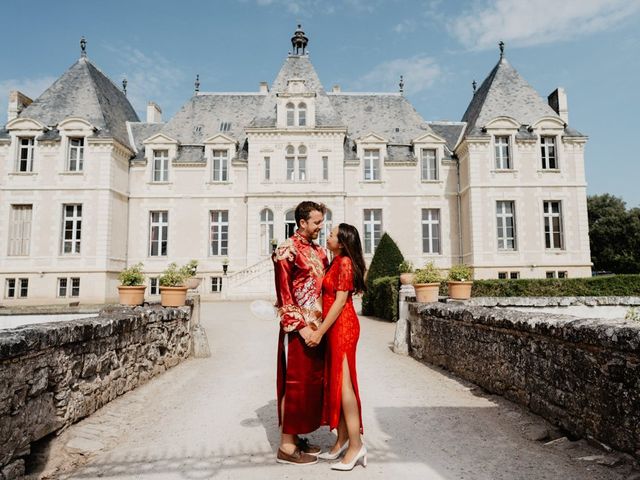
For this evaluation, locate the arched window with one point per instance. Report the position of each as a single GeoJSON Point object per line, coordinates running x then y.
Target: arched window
{"type": "Point", "coordinates": [302, 114]}
{"type": "Point", "coordinates": [326, 228]}
{"type": "Point", "coordinates": [266, 231]}
{"type": "Point", "coordinates": [291, 163]}
{"type": "Point", "coordinates": [289, 223]}
{"type": "Point", "coordinates": [302, 162]}
{"type": "Point", "coordinates": [290, 114]}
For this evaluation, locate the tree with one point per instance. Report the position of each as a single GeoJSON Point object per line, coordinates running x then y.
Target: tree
{"type": "Point", "coordinates": [383, 264]}
{"type": "Point", "coordinates": [614, 234]}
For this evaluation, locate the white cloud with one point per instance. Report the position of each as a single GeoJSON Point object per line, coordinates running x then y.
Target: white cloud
{"type": "Point", "coordinates": [405, 26]}
{"type": "Point", "coordinates": [31, 87]}
{"type": "Point", "coordinates": [419, 72]}
{"type": "Point", "coordinates": [537, 21]}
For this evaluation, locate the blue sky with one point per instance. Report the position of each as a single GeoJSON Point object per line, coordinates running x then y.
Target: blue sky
{"type": "Point", "coordinates": [589, 47]}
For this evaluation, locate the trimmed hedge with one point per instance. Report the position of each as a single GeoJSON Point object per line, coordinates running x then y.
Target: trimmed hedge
{"type": "Point", "coordinates": [384, 263]}
{"type": "Point", "coordinates": [383, 298]}
{"type": "Point", "coordinates": [604, 286]}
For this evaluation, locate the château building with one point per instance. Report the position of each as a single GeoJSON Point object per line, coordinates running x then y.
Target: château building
{"type": "Point", "coordinates": [87, 188]}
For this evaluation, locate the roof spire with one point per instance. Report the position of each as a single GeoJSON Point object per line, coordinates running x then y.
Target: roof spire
{"type": "Point", "coordinates": [197, 83]}
{"type": "Point", "coordinates": [401, 84]}
{"type": "Point", "coordinates": [124, 86]}
{"type": "Point", "coordinates": [299, 41]}
{"type": "Point", "coordinates": [474, 84]}
{"type": "Point", "coordinates": [501, 45]}
{"type": "Point", "coordinates": [83, 47]}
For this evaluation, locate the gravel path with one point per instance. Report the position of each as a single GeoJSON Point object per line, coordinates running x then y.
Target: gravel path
{"type": "Point", "coordinates": [216, 418]}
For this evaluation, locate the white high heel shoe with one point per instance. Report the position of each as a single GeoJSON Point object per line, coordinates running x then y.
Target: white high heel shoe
{"type": "Point", "coordinates": [333, 456]}
{"type": "Point", "coordinates": [361, 456]}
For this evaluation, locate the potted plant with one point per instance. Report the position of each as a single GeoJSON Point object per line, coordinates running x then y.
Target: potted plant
{"type": "Point", "coordinates": [173, 291]}
{"type": "Point", "coordinates": [274, 244]}
{"type": "Point", "coordinates": [406, 269]}
{"type": "Point", "coordinates": [426, 283]}
{"type": "Point", "coordinates": [460, 280]}
{"type": "Point", "coordinates": [225, 265]}
{"type": "Point", "coordinates": [132, 287]}
{"type": "Point", "coordinates": [189, 272]}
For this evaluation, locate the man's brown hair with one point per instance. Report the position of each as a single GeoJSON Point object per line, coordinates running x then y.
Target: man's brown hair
{"type": "Point", "coordinates": [304, 209]}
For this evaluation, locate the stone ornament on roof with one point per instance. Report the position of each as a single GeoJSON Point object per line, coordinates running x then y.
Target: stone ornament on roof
{"type": "Point", "coordinates": [299, 41]}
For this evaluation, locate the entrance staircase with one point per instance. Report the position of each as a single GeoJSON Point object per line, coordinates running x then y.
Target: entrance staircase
{"type": "Point", "coordinates": [253, 282]}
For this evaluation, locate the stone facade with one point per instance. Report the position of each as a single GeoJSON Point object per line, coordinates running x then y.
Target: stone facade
{"type": "Point", "coordinates": [582, 375]}
{"type": "Point", "coordinates": [52, 375]}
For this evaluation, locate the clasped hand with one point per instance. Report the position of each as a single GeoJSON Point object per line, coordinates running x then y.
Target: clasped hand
{"type": "Point", "coordinates": [311, 337]}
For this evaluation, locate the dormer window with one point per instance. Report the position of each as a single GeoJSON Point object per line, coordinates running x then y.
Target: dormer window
{"type": "Point", "coordinates": [302, 114]}
{"type": "Point", "coordinates": [371, 164]}
{"type": "Point", "coordinates": [160, 166]}
{"type": "Point", "coordinates": [75, 161]}
{"type": "Point", "coordinates": [429, 166]}
{"type": "Point", "coordinates": [291, 110]}
{"type": "Point", "coordinates": [548, 153]}
{"type": "Point", "coordinates": [220, 165]}
{"type": "Point", "coordinates": [503, 158]}
{"type": "Point", "coordinates": [25, 154]}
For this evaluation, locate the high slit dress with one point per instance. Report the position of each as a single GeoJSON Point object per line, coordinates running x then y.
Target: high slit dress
{"type": "Point", "coordinates": [341, 340]}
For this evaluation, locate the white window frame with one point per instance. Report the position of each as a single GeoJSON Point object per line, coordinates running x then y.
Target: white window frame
{"type": "Point", "coordinates": [429, 164]}
{"type": "Point", "coordinates": [75, 164]}
{"type": "Point", "coordinates": [62, 287]}
{"type": "Point", "coordinates": [302, 114]}
{"type": "Point", "coordinates": [327, 225]}
{"type": "Point", "coordinates": [502, 145]}
{"type": "Point", "coordinates": [220, 165]}
{"type": "Point", "coordinates": [548, 152]}
{"type": "Point", "coordinates": [290, 225]}
{"type": "Point", "coordinates": [302, 163]}
{"type": "Point", "coordinates": [158, 232]}
{"type": "Point", "coordinates": [154, 286]}
{"type": "Point", "coordinates": [20, 220]}
{"type": "Point", "coordinates": [30, 150]}
{"type": "Point", "coordinates": [370, 223]}
{"type": "Point", "coordinates": [75, 287]}
{"type": "Point", "coordinates": [10, 288]}
{"type": "Point", "coordinates": [160, 166]}
{"type": "Point", "coordinates": [216, 284]}
{"type": "Point", "coordinates": [267, 227]}
{"type": "Point", "coordinates": [502, 219]}
{"type": "Point", "coordinates": [371, 160]}
{"type": "Point", "coordinates": [22, 284]}
{"type": "Point", "coordinates": [218, 232]}
{"type": "Point", "coordinates": [291, 114]}
{"type": "Point", "coordinates": [267, 168]}
{"type": "Point", "coordinates": [549, 232]}
{"type": "Point", "coordinates": [325, 168]}
{"type": "Point", "coordinates": [73, 224]}
{"type": "Point", "coordinates": [431, 231]}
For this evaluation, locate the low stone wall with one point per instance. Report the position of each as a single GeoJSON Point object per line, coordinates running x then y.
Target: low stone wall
{"type": "Point", "coordinates": [552, 301]}
{"type": "Point", "coordinates": [54, 374]}
{"type": "Point", "coordinates": [582, 375]}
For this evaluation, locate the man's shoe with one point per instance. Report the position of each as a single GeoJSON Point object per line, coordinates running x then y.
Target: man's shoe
{"type": "Point", "coordinates": [305, 447]}
{"type": "Point", "coordinates": [296, 458]}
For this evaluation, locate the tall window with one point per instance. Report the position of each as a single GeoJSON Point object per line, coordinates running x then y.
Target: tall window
{"type": "Point", "coordinates": [372, 229]}
{"type": "Point", "coordinates": [75, 161]}
{"type": "Point", "coordinates": [326, 228]}
{"type": "Point", "coordinates": [160, 166]}
{"type": "Point", "coordinates": [296, 164]}
{"type": "Point", "coordinates": [219, 237]}
{"type": "Point", "coordinates": [289, 223]}
{"type": "Point", "coordinates": [553, 225]}
{"type": "Point", "coordinates": [220, 165]}
{"type": "Point", "coordinates": [20, 229]}
{"type": "Point", "coordinates": [266, 231]}
{"type": "Point", "coordinates": [291, 109]}
{"type": "Point", "coordinates": [71, 228]}
{"type": "Point", "coordinates": [10, 288]}
{"type": "Point", "coordinates": [503, 159]}
{"type": "Point", "coordinates": [302, 114]}
{"type": "Point", "coordinates": [25, 155]}
{"type": "Point", "coordinates": [429, 166]}
{"type": "Point", "coordinates": [267, 168]}
{"type": "Point", "coordinates": [372, 164]}
{"type": "Point", "coordinates": [302, 162]}
{"type": "Point", "coordinates": [548, 153]}
{"type": "Point", "coordinates": [154, 286]}
{"type": "Point", "coordinates": [430, 230]}
{"type": "Point", "coordinates": [506, 221]}
{"type": "Point", "coordinates": [291, 163]}
{"type": "Point", "coordinates": [325, 168]}
{"type": "Point", "coordinates": [158, 233]}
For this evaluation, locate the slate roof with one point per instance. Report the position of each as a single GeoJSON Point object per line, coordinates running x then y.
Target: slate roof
{"type": "Point", "coordinates": [140, 131]}
{"type": "Point", "coordinates": [84, 91]}
{"type": "Point", "coordinates": [505, 93]}
{"type": "Point", "coordinates": [450, 131]}
{"type": "Point", "coordinates": [4, 134]}
{"type": "Point", "coordinates": [190, 154]}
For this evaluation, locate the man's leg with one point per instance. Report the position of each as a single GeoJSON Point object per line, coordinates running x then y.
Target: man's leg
{"type": "Point", "coordinates": [287, 440]}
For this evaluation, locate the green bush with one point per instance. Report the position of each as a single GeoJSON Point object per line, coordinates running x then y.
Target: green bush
{"type": "Point", "coordinates": [383, 296]}
{"type": "Point", "coordinates": [132, 276]}
{"type": "Point", "coordinates": [460, 273]}
{"type": "Point", "coordinates": [172, 276]}
{"type": "Point", "coordinates": [406, 267]}
{"type": "Point", "coordinates": [427, 274]}
{"type": "Point", "coordinates": [190, 269]}
{"type": "Point", "coordinates": [383, 264]}
{"type": "Point", "coordinates": [610, 285]}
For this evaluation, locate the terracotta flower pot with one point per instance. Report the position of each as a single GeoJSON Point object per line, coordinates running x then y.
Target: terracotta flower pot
{"type": "Point", "coordinates": [192, 283]}
{"type": "Point", "coordinates": [131, 295]}
{"type": "Point", "coordinates": [460, 290]}
{"type": "Point", "coordinates": [173, 296]}
{"type": "Point", "coordinates": [427, 292]}
{"type": "Point", "coordinates": [407, 278]}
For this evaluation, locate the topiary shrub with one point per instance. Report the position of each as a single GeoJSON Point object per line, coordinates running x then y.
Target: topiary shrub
{"type": "Point", "coordinates": [383, 264]}
{"type": "Point", "coordinates": [385, 298]}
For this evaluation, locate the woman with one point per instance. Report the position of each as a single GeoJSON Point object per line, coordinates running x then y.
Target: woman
{"type": "Point", "coordinates": [342, 409]}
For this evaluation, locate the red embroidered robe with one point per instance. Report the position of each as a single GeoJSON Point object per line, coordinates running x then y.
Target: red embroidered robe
{"type": "Point", "coordinates": [299, 267]}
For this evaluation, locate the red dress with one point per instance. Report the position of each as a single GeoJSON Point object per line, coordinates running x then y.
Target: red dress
{"type": "Point", "coordinates": [342, 339]}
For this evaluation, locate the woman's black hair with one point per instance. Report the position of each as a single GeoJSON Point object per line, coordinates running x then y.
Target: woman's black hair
{"type": "Point", "coordinates": [351, 247]}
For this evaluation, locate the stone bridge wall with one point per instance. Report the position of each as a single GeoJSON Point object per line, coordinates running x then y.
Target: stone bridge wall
{"type": "Point", "coordinates": [582, 375]}
{"type": "Point", "coordinates": [54, 374]}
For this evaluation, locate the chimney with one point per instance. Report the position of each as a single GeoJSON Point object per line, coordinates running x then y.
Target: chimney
{"type": "Point", "coordinates": [558, 101]}
{"type": "Point", "coordinates": [18, 101]}
{"type": "Point", "coordinates": [336, 89]}
{"type": "Point", "coordinates": [264, 87]}
{"type": "Point", "coordinates": [154, 113]}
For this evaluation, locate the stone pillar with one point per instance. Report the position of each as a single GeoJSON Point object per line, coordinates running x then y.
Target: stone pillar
{"type": "Point", "coordinates": [401, 340]}
{"type": "Point", "coordinates": [199, 341]}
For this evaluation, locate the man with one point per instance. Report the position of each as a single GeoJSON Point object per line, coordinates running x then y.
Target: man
{"type": "Point", "coordinates": [299, 266]}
